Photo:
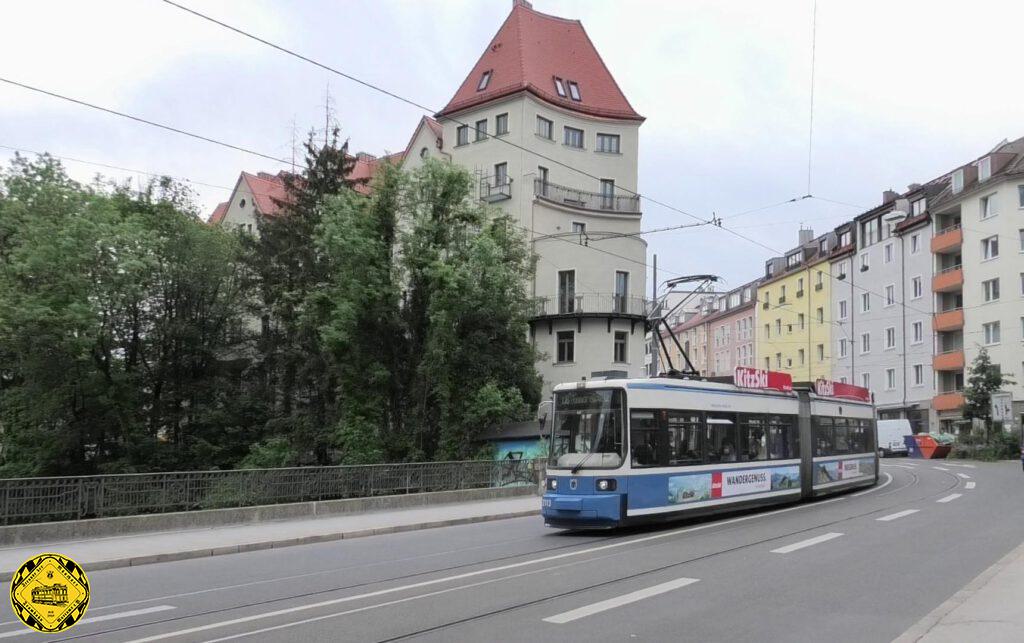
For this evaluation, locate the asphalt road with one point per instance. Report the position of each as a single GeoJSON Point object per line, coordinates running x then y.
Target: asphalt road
{"type": "Point", "coordinates": [861, 567]}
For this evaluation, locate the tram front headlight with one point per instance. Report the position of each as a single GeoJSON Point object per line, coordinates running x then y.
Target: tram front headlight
{"type": "Point", "coordinates": [606, 484]}
{"type": "Point", "coordinates": [553, 484]}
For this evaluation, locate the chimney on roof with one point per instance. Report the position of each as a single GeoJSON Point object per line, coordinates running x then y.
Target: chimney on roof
{"type": "Point", "coordinates": [913, 186]}
{"type": "Point", "coordinates": [889, 196]}
{"type": "Point", "coordinates": [806, 236]}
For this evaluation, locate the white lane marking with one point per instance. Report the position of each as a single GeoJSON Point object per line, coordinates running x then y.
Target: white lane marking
{"type": "Point", "coordinates": [964, 476]}
{"type": "Point", "coordinates": [97, 619]}
{"type": "Point", "coordinates": [873, 489]}
{"type": "Point", "coordinates": [951, 497]}
{"type": "Point", "coordinates": [901, 466]}
{"type": "Point", "coordinates": [969, 485]}
{"type": "Point", "coordinates": [940, 468]}
{"type": "Point", "coordinates": [897, 515]}
{"type": "Point", "coordinates": [806, 543]}
{"type": "Point", "coordinates": [619, 601]}
{"type": "Point", "coordinates": [489, 570]}
{"type": "Point", "coordinates": [966, 466]}
{"type": "Point", "coordinates": [314, 619]}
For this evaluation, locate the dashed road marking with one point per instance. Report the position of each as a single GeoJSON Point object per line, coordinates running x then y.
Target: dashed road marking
{"type": "Point", "coordinates": [969, 485]}
{"type": "Point", "coordinates": [897, 515]}
{"type": "Point", "coordinates": [105, 617]}
{"type": "Point", "coordinates": [951, 497]}
{"type": "Point", "coordinates": [940, 468]}
{"type": "Point", "coordinates": [806, 543]}
{"type": "Point", "coordinates": [618, 601]}
{"type": "Point", "coordinates": [964, 476]}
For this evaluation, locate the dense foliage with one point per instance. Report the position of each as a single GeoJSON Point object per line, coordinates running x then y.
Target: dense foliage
{"type": "Point", "coordinates": [353, 328]}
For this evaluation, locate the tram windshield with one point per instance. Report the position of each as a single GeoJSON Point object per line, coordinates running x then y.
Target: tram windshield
{"type": "Point", "coordinates": [588, 428]}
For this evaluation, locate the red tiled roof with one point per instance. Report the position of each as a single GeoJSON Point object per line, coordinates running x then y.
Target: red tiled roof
{"type": "Point", "coordinates": [268, 191]}
{"type": "Point", "coordinates": [366, 168]}
{"type": "Point", "coordinates": [529, 51]}
{"type": "Point", "coordinates": [218, 213]}
{"type": "Point", "coordinates": [434, 126]}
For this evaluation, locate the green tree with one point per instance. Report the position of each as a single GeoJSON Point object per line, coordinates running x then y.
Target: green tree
{"type": "Point", "coordinates": [984, 379]}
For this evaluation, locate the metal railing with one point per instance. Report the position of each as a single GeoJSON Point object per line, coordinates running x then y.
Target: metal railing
{"type": "Point", "coordinates": [591, 303]}
{"type": "Point", "coordinates": [949, 228]}
{"type": "Point", "coordinates": [627, 204]}
{"type": "Point", "coordinates": [950, 269]}
{"type": "Point", "coordinates": [74, 498]}
{"type": "Point", "coordinates": [495, 188]}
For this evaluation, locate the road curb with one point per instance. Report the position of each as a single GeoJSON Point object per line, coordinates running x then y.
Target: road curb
{"type": "Point", "coordinates": [206, 552]}
{"type": "Point", "coordinates": [921, 629]}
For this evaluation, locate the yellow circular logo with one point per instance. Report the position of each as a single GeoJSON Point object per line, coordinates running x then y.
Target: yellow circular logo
{"type": "Point", "coordinates": [50, 593]}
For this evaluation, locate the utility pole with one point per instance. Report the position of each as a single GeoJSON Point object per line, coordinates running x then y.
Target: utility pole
{"type": "Point", "coordinates": [655, 350]}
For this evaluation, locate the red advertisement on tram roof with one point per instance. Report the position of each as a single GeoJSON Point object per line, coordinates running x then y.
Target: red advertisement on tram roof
{"type": "Point", "coordinates": [828, 388]}
{"type": "Point", "coordinates": [746, 377]}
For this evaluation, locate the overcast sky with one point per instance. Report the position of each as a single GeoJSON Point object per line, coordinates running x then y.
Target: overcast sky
{"type": "Point", "coordinates": [905, 91]}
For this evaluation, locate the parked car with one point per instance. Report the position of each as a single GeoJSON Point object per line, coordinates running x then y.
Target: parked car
{"type": "Point", "coordinates": [890, 437]}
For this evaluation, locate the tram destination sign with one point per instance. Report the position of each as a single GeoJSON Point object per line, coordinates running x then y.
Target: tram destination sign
{"type": "Point", "coordinates": [746, 377]}
{"type": "Point", "coordinates": [828, 388]}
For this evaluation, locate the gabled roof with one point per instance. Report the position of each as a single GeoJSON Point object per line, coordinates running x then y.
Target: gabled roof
{"type": "Point", "coordinates": [529, 51]}
{"type": "Point", "coordinates": [218, 213]}
{"type": "Point", "coordinates": [268, 191]}
{"type": "Point", "coordinates": [436, 130]}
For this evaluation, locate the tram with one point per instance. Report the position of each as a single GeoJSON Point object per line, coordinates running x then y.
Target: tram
{"type": "Point", "coordinates": [628, 451]}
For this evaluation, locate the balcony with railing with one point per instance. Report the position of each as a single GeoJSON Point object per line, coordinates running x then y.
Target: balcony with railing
{"type": "Point", "coordinates": [495, 188]}
{"type": "Point", "coordinates": [591, 305]}
{"type": "Point", "coordinates": [948, 279]}
{"type": "Point", "coordinates": [948, 239]}
{"type": "Point", "coordinates": [952, 360]}
{"type": "Point", "coordinates": [948, 320]}
{"type": "Point", "coordinates": [584, 200]}
{"type": "Point", "coordinates": [948, 401]}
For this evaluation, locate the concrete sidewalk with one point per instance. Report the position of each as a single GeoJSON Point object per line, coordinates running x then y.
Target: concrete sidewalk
{"type": "Point", "coordinates": [156, 547]}
{"type": "Point", "coordinates": [990, 608]}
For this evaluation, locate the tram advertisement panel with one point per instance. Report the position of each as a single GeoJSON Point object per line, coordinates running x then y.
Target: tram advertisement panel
{"type": "Point", "coordinates": [722, 484]}
{"type": "Point", "coordinates": [837, 471]}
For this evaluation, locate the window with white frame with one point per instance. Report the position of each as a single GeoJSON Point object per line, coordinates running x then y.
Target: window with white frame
{"type": "Point", "coordinates": [918, 207]}
{"type": "Point", "coordinates": [865, 380]}
{"type": "Point", "coordinates": [1022, 328]}
{"type": "Point", "coordinates": [865, 342]}
{"type": "Point", "coordinates": [608, 143]}
{"type": "Point", "coordinates": [842, 309]}
{"type": "Point", "coordinates": [842, 348]}
{"type": "Point", "coordinates": [846, 236]}
{"type": "Point", "coordinates": [821, 315]}
{"type": "Point", "coordinates": [1020, 196]}
{"type": "Point", "coordinates": [864, 262]}
{"type": "Point", "coordinates": [890, 379]}
{"type": "Point", "coordinates": [462, 135]}
{"type": "Point", "coordinates": [545, 128]}
{"type": "Point", "coordinates": [918, 330]}
{"type": "Point", "coordinates": [574, 91]}
{"type": "Point", "coordinates": [890, 338]}
{"type": "Point", "coordinates": [501, 124]}
{"type": "Point", "coordinates": [991, 331]}
{"type": "Point", "coordinates": [566, 346]}
{"type": "Point", "coordinates": [800, 321]}
{"type": "Point", "coordinates": [918, 374]}
{"type": "Point", "coordinates": [915, 243]}
{"type": "Point", "coordinates": [869, 232]}
{"type": "Point", "coordinates": [1020, 233]}
{"type": "Point", "coordinates": [988, 206]}
{"type": "Point", "coordinates": [890, 295]}
{"type": "Point", "coordinates": [888, 253]}
{"type": "Point", "coordinates": [865, 302]}
{"type": "Point", "coordinates": [985, 168]}
{"type": "Point", "coordinates": [560, 87]}
{"type": "Point", "coordinates": [990, 247]}
{"type": "Point", "coordinates": [821, 352]}
{"type": "Point", "coordinates": [800, 357]}
{"type": "Point", "coordinates": [621, 344]}
{"type": "Point", "coordinates": [485, 79]}
{"type": "Point", "coordinates": [481, 130]}
{"type": "Point", "coordinates": [990, 287]}
{"type": "Point", "coordinates": [793, 260]}
{"type": "Point", "coordinates": [958, 181]}
{"type": "Point", "coordinates": [916, 288]}
{"type": "Point", "coordinates": [573, 137]}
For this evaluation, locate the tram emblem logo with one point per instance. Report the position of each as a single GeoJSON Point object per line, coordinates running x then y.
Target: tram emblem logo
{"type": "Point", "coordinates": [49, 593]}
{"type": "Point", "coordinates": [573, 483]}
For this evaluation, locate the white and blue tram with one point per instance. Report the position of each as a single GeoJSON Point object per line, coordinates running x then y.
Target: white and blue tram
{"type": "Point", "coordinates": [636, 450]}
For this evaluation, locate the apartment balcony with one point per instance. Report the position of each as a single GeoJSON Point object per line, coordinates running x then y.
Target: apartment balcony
{"type": "Point", "coordinates": [495, 188]}
{"type": "Point", "coordinates": [948, 240]}
{"type": "Point", "coordinates": [950, 401]}
{"type": "Point", "coordinates": [948, 320]}
{"type": "Point", "coordinates": [948, 280]}
{"type": "Point", "coordinates": [591, 305]}
{"type": "Point", "coordinates": [583, 200]}
{"type": "Point", "coordinates": [949, 361]}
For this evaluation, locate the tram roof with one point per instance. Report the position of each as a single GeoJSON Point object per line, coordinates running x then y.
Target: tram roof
{"type": "Point", "coordinates": [696, 385]}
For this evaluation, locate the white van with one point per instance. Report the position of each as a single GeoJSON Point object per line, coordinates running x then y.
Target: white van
{"type": "Point", "coordinates": [890, 437]}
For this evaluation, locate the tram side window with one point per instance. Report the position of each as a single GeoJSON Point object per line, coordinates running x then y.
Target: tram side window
{"type": "Point", "coordinates": [684, 433]}
{"type": "Point", "coordinates": [753, 437]}
{"type": "Point", "coordinates": [860, 440]}
{"type": "Point", "coordinates": [823, 436]}
{"type": "Point", "coordinates": [648, 442]}
{"type": "Point", "coordinates": [841, 437]}
{"type": "Point", "coordinates": [720, 442]}
{"type": "Point", "coordinates": [783, 438]}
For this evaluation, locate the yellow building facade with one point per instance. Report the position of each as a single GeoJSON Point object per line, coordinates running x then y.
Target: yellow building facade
{"type": "Point", "coordinates": [794, 315]}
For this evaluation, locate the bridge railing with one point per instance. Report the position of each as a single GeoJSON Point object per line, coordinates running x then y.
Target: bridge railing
{"type": "Point", "coordinates": [25, 500]}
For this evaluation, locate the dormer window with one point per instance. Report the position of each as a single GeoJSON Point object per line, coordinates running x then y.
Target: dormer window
{"type": "Point", "coordinates": [985, 168]}
{"type": "Point", "coordinates": [918, 207]}
{"type": "Point", "coordinates": [560, 87]}
{"type": "Point", "coordinates": [793, 260]}
{"type": "Point", "coordinates": [958, 181]}
{"type": "Point", "coordinates": [574, 91]}
{"type": "Point", "coordinates": [485, 79]}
